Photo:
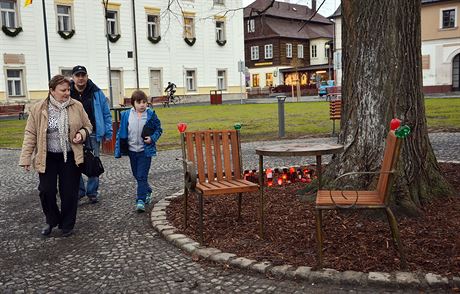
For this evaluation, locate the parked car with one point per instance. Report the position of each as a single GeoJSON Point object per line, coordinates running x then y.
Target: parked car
{"type": "Point", "coordinates": [322, 90]}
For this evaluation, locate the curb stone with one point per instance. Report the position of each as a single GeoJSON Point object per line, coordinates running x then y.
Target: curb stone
{"type": "Point", "coordinates": [396, 279]}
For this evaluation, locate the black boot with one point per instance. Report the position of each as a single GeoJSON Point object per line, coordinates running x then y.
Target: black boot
{"type": "Point", "coordinates": [47, 230]}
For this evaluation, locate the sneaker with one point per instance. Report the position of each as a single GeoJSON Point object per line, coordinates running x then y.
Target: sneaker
{"type": "Point", "coordinates": [93, 199]}
{"type": "Point", "coordinates": [140, 206]}
{"type": "Point", "coordinates": [148, 198]}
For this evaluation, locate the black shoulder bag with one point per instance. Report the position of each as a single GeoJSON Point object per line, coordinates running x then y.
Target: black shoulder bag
{"type": "Point", "coordinates": [92, 165]}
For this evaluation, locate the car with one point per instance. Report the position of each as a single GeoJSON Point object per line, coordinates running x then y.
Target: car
{"type": "Point", "coordinates": [322, 90]}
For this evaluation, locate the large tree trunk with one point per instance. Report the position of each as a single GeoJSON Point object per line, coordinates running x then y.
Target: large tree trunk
{"type": "Point", "coordinates": [382, 80]}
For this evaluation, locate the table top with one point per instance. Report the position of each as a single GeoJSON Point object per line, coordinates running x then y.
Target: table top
{"type": "Point", "coordinates": [299, 149]}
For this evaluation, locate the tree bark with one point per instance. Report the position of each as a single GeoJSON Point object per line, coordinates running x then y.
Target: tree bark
{"type": "Point", "coordinates": [382, 79]}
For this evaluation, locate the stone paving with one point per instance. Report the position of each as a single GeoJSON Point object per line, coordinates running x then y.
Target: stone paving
{"type": "Point", "coordinates": [115, 249]}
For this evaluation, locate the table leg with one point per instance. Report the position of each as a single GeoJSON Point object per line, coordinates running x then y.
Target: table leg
{"type": "Point", "coordinates": [318, 170]}
{"type": "Point", "coordinates": [261, 187]}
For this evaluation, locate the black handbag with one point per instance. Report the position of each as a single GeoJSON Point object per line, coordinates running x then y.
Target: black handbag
{"type": "Point", "coordinates": [92, 165]}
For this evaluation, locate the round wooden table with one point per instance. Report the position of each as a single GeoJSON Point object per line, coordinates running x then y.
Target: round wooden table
{"type": "Point", "coordinates": [292, 149]}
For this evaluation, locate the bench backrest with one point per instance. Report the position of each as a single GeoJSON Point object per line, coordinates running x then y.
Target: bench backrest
{"type": "Point", "coordinates": [335, 109]}
{"type": "Point", "coordinates": [390, 161]}
{"type": "Point", "coordinates": [215, 154]}
{"type": "Point", "coordinates": [12, 108]}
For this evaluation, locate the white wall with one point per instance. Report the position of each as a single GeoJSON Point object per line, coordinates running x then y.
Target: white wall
{"type": "Point", "coordinates": [441, 52]}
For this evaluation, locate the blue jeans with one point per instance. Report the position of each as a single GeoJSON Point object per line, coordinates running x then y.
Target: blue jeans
{"type": "Point", "coordinates": [140, 166]}
{"type": "Point", "coordinates": [93, 182]}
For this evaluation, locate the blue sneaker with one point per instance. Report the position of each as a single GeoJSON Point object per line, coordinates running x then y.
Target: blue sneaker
{"type": "Point", "coordinates": [140, 206]}
{"type": "Point", "coordinates": [148, 198]}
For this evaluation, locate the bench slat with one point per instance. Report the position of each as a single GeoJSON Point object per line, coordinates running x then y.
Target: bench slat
{"type": "Point", "coordinates": [218, 155]}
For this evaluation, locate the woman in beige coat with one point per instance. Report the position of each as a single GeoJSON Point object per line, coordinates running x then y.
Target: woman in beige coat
{"type": "Point", "coordinates": [52, 144]}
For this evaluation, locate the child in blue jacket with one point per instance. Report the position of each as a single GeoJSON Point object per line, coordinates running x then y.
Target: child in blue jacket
{"type": "Point", "coordinates": [139, 130]}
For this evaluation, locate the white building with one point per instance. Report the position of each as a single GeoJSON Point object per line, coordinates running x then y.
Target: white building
{"type": "Point", "coordinates": [196, 45]}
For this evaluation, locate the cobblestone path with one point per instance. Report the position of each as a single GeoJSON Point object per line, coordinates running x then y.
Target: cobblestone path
{"type": "Point", "coordinates": [115, 249]}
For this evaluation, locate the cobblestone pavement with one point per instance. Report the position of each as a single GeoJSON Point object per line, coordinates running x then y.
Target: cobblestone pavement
{"type": "Point", "coordinates": [115, 249]}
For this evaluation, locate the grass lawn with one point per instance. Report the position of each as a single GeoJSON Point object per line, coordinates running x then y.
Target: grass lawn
{"type": "Point", "coordinates": [259, 121]}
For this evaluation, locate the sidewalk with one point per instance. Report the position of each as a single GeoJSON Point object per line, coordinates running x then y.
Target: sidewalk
{"type": "Point", "coordinates": [115, 249]}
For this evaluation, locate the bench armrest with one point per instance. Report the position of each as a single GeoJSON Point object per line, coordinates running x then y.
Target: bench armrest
{"type": "Point", "coordinates": [357, 194]}
{"type": "Point", "coordinates": [189, 174]}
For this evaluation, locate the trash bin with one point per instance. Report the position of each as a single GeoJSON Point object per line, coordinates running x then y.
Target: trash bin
{"type": "Point", "coordinates": [216, 96]}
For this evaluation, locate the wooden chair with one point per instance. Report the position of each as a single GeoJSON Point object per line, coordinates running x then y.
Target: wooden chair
{"type": "Point", "coordinates": [214, 157]}
{"type": "Point", "coordinates": [377, 199]}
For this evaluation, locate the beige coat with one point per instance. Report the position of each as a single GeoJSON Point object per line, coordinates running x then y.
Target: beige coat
{"type": "Point", "coordinates": [34, 147]}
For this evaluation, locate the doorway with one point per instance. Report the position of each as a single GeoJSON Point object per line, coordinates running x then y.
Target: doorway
{"type": "Point", "coordinates": [117, 87]}
{"type": "Point", "coordinates": [156, 86]}
{"type": "Point", "coordinates": [456, 73]}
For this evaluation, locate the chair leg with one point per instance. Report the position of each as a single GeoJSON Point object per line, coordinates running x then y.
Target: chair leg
{"type": "Point", "coordinates": [185, 207]}
{"type": "Point", "coordinates": [239, 205]}
{"type": "Point", "coordinates": [396, 238]}
{"type": "Point", "coordinates": [200, 199]}
{"type": "Point", "coordinates": [319, 237]}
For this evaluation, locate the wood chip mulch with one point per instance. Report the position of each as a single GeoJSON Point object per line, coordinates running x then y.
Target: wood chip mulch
{"type": "Point", "coordinates": [353, 240]}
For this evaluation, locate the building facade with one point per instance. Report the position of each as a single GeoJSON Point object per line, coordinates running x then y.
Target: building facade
{"type": "Point", "coordinates": [286, 44]}
{"type": "Point", "coordinates": [195, 44]}
{"type": "Point", "coordinates": [440, 35]}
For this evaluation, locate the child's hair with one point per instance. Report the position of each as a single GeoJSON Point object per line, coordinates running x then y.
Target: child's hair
{"type": "Point", "coordinates": [138, 96]}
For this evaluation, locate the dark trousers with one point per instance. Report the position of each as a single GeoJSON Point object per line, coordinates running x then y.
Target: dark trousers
{"type": "Point", "coordinates": [68, 174]}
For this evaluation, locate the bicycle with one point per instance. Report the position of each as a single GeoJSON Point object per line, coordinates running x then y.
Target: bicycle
{"type": "Point", "coordinates": [172, 98]}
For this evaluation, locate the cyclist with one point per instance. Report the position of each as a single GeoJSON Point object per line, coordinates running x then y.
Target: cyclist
{"type": "Point", "coordinates": [171, 89]}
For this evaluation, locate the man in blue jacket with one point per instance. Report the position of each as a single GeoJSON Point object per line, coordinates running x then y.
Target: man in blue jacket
{"type": "Point", "coordinates": [97, 108]}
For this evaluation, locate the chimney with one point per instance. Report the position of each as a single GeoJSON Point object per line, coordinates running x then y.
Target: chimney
{"type": "Point", "coordinates": [313, 5]}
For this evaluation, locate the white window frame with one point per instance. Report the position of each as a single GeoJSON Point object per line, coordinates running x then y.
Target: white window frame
{"type": "Point", "coordinates": [221, 79]}
{"type": "Point", "coordinates": [251, 26]}
{"type": "Point", "coordinates": [190, 80]}
{"type": "Point", "coordinates": [288, 50]}
{"type": "Point", "coordinates": [220, 31]}
{"type": "Point", "coordinates": [268, 51]}
{"type": "Point", "coordinates": [112, 23]}
{"type": "Point", "coordinates": [13, 81]}
{"type": "Point", "coordinates": [267, 79]}
{"type": "Point", "coordinates": [314, 52]}
{"type": "Point", "coordinates": [189, 28]}
{"type": "Point", "coordinates": [441, 12]}
{"type": "Point", "coordinates": [153, 27]}
{"type": "Point", "coordinates": [9, 15]}
{"type": "Point", "coordinates": [254, 52]}
{"type": "Point", "coordinates": [299, 51]}
{"type": "Point", "coordinates": [64, 19]}
{"type": "Point", "coordinates": [66, 71]}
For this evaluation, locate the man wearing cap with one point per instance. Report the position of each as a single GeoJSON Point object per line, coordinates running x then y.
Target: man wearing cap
{"type": "Point", "coordinates": [97, 108]}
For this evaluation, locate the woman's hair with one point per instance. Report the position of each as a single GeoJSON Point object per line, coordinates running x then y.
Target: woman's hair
{"type": "Point", "coordinates": [138, 96]}
{"type": "Point", "coordinates": [57, 80]}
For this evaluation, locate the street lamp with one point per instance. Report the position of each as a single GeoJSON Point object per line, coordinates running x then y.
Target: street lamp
{"type": "Point", "coordinates": [328, 50]}
{"type": "Point", "coordinates": [106, 3]}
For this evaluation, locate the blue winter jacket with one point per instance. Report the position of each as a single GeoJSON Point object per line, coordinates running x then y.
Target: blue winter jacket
{"type": "Point", "coordinates": [121, 144]}
{"type": "Point", "coordinates": [103, 116]}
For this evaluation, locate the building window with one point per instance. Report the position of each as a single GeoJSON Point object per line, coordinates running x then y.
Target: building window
{"type": "Point", "coordinates": [289, 50]}
{"type": "Point", "coordinates": [220, 2]}
{"type": "Point", "coordinates": [251, 26]}
{"type": "Point", "coordinates": [269, 79]}
{"type": "Point", "coordinates": [190, 80]}
{"type": "Point", "coordinates": [255, 80]}
{"type": "Point", "coordinates": [300, 51]}
{"type": "Point", "coordinates": [254, 52]}
{"type": "Point", "coordinates": [67, 72]}
{"type": "Point", "coordinates": [64, 18]}
{"type": "Point", "coordinates": [220, 31]}
{"type": "Point", "coordinates": [189, 28]}
{"type": "Point", "coordinates": [326, 51]}
{"type": "Point", "coordinates": [112, 23]}
{"type": "Point", "coordinates": [14, 81]}
{"type": "Point", "coordinates": [8, 13]}
{"type": "Point", "coordinates": [313, 51]}
{"type": "Point", "coordinates": [269, 51]}
{"type": "Point", "coordinates": [153, 26]}
{"type": "Point", "coordinates": [448, 20]}
{"type": "Point", "coordinates": [221, 79]}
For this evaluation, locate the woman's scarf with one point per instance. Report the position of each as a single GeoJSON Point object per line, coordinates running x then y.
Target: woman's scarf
{"type": "Point", "coordinates": [63, 124]}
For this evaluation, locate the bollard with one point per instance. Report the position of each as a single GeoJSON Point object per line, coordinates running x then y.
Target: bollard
{"type": "Point", "coordinates": [281, 100]}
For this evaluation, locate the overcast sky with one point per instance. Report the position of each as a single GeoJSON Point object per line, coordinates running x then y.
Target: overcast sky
{"type": "Point", "coordinates": [326, 10]}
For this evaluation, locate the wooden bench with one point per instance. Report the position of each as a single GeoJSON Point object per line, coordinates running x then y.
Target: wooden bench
{"type": "Point", "coordinates": [375, 199]}
{"type": "Point", "coordinates": [333, 93]}
{"type": "Point", "coordinates": [213, 167]}
{"type": "Point", "coordinates": [126, 102]}
{"type": "Point", "coordinates": [13, 109]}
{"type": "Point", "coordinates": [335, 112]}
{"type": "Point", "coordinates": [160, 100]}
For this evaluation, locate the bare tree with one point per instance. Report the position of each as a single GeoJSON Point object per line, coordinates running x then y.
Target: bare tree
{"type": "Point", "coordinates": [382, 80]}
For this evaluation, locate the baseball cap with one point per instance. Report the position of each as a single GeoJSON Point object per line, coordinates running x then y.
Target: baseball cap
{"type": "Point", "coordinates": [78, 69]}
